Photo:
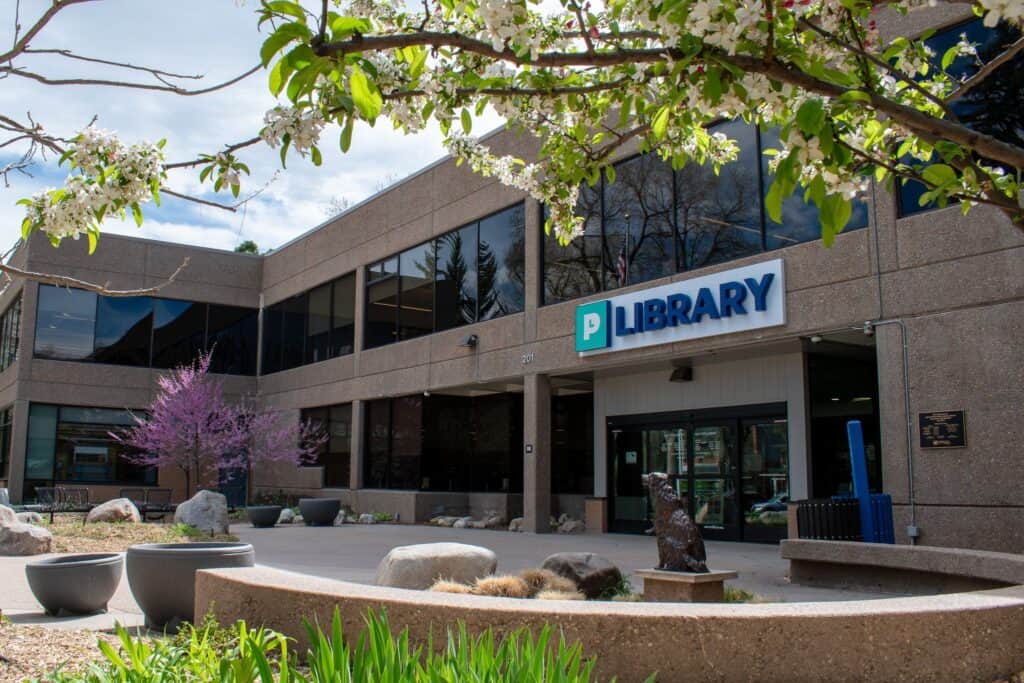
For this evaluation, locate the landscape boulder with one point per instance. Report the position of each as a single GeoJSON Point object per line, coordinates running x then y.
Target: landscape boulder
{"type": "Point", "coordinates": [594, 575]}
{"type": "Point", "coordinates": [462, 523]}
{"type": "Point", "coordinates": [516, 524]}
{"type": "Point", "coordinates": [24, 539]}
{"type": "Point", "coordinates": [419, 566]}
{"type": "Point", "coordinates": [367, 518]}
{"type": "Point", "coordinates": [206, 511]}
{"type": "Point", "coordinates": [287, 516]}
{"type": "Point", "coordinates": [117, 510]}
{"type": "Point", "coordinates": [572, 526]}
{"type": "Point", "coordinates": [5, 497]}
{"type": "Point", "coordinates": [7, 516]}
{"type": "Point", "coordinates": [30, 517]}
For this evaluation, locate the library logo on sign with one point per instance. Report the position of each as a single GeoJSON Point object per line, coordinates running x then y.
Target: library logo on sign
{"type": "Point", "coordinates": [593, 326]}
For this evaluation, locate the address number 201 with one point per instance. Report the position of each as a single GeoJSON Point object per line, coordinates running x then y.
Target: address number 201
{"type": "Point", "coordinates": [527, 358]}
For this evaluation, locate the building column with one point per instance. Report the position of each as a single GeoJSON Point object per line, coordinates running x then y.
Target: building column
{"type": "Point", "coordinates": [355, 474]}
{"type": "Point", "coordinates": [536, 453]}
{"type": "Point", "coordinates": [19, 450]}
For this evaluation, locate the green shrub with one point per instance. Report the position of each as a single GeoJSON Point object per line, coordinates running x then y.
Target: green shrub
{"type": "Point", "coordinates": [211, 654]}
{"type": "Point", "coordinates": [382, 516]}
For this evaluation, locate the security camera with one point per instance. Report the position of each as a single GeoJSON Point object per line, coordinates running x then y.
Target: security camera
{"type": "Point", "coordinates": [869, 329]}
{"type": "Point", "coordinates": [816, 339]}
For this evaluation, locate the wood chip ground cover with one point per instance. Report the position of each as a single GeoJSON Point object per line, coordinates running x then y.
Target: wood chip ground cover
{"type": "Point", "coordinates": [34, 651]}
{"type": "Point", "coordinates": [71, 536]}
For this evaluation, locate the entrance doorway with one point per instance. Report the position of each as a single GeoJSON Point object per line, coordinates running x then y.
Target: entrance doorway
{"type": "Point", "coordinates": [730, 465]}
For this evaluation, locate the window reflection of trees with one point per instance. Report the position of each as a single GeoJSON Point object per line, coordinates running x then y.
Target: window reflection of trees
{"type": "Point", "coordinates": [574, 270]}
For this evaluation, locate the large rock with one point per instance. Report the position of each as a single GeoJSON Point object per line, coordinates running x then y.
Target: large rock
{"type": "Point", "coordinates": [30, 517]}
{"type": "Point", "coordinates": [419, 566]}
{"type": "Point", "coordinates": [7, 516]}
{"type": "Point", "coordinates": [5, 497]}
{"type": "Point", "coordinates": [206, 511]}
{"type": "Point", "coordinates": [117, 510]}
{"type": "Point", "coordinates": [24, 539]}
{"type": "Point", "coordinates": [593, 574]}
{"type": "Point", "coordinates": [287, 516]}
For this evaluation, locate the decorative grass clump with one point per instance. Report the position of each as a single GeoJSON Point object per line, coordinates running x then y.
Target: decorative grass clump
{"type": "Point", "coordinates": [540, 584]}
{"type": "Point", "coordinates": [210, 654]}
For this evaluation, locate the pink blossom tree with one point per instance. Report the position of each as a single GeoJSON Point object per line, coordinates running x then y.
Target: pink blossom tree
{"type": "Point", "coordinates": [191, 426]}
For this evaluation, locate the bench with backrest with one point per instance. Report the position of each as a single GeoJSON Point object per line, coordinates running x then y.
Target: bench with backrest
{"type": "Point", "coordinates": [153, 503]}
{"type": "Point", "coordinates": [54, 499]}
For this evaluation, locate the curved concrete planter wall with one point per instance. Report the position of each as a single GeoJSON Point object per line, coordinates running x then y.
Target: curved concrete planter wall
{"type": "Point", "coordinates": [162, 575]}
{"type": "Point", "coordinates": [960, 637]}
{"type": "Point", "coordinates": [319, 511]}
{"type": "Point", "coordinates": [76, 584]}
{"type": "Point", "coordinates": [263, 516]}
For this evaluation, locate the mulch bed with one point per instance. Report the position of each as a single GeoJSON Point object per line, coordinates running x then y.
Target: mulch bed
{"type": "Point", "coordinates": [28, 652]}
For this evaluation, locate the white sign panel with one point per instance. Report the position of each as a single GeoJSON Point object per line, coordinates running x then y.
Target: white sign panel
{"type": "Point", "coordinates": [736, 300]}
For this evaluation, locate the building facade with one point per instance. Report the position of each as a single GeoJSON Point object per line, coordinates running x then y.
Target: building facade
{"type": "Point", "coordinates": [463, 361]}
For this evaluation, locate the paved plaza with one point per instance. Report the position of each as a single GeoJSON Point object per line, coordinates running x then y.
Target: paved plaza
{"type": "Point", "coordinates": [352, 552]}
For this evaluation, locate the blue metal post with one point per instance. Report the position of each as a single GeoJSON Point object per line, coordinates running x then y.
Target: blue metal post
{"type": "Point", "coordinates": [859, 467]}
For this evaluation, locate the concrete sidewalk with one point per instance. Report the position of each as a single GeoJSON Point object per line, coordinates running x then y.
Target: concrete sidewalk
{"type": "Point", "coordinates": [352, 552]}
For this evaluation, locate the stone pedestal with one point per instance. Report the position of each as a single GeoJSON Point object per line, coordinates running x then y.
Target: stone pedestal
{"type": "Point", "coordinates": [663, 586]}
{"type": "Point", "coordinates": [596, 514]}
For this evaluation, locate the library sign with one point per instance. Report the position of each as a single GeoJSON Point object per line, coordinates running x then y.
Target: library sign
{"type": "Point", "coordinates": [736, 300]}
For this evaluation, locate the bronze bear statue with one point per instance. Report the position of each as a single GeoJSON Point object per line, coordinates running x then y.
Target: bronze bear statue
{"type": "Point", "coordinates": [680, 545]}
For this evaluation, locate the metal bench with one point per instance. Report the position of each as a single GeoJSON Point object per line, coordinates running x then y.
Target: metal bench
{"type": "Point", "coordinates": [54, 499]}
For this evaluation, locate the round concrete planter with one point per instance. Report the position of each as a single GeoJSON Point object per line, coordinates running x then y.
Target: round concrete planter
{"type": "Point", "coordinates": [162, 576]}
{"type": "Point", "coordinates": [76, 584]}
{"type": "Point", "coordinates": [319, 511]}
{"type": "Point", "coordinates": [263, 516]}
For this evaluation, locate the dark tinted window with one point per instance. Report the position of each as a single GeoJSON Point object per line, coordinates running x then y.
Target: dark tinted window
{"type": "Point", "coordinates": [319, 335]}
{"type": "Point", "coordinates": [65, 323]}
{"type": "Point", "coordinates": [416, 314]}
{"type": "Point", "coordinates": [995, 106]}
{"type": "Point", "coordinates": [6, 420]}
{"type": "Point", "coordinates": [179, 331]}
{"type": "Point", "coordinates": [381, 313]}
{"type": "Point", "coordinates": [456, 277]}
{"type": "Point", "coordinates": [344, 321]}
{"type": "Point", "coordinates": [335, 455]}
{"type": "Point", "coordinates": [720, 216]}
{"type": "Point", "coordinates": [572, 444]}
{"type": "Point", "coordinates": [378, 443]}
{"type": "Point", "coordinates": [123, 328]}
{"type": "Point", "coordinates": [293, 331]}
{"type": "Point", "coordinates": [85, 451]}
{"type": "Point", "coordinates": [638, 222]}
{"type": "Point", "coordinates": [406, 442]}
{"type": "Point", "coordinates": [273, 338]}
{"type": "Point", "coordinates": [574, 270]}
{"type": "Point", "coordinates": [233, 337]}
{"type": "Point", "coordinates": [501, 272]}
{"type": "Point", "coordinates": [10, 329]}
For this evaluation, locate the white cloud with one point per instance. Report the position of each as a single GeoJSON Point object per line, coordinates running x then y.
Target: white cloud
{"type": "Point", "coordinates": [218, 39]}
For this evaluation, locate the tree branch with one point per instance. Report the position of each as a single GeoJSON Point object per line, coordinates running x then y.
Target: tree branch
{"type": "Point", "coordinates": [986, 71]}
{"type": "Point", "coordinates": [67, 281]}
{"type": "Point", "coordinates": [197, 200]}
{"type": "Point", "coordinates": [20, 45]}
{"type": "Point", "coordinates": [228, 149]}
{"type": "Point", "coordinates": [121, 65]}
{"type": "Point", "coordinates": [12, 71]}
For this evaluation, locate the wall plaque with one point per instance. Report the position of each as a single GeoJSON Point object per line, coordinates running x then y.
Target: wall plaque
{"type": "Point", "coordinates": [942, 429]}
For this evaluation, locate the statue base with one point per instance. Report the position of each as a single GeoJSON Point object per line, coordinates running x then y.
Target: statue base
{"type": "Point", "coordinates": [665, 586]}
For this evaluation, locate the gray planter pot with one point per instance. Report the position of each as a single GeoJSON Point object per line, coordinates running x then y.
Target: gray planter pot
{"type": "Point", "coordinates": [162, 576]}
{"type": "Point", "coordinates": [75, 584]}
{"type": "Point", "coordinates": [263, 516]}
{"type": "Point", "coordinates": [319, 511]}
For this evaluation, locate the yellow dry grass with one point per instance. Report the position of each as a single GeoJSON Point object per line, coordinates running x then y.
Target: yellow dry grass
{"type": "Point", "coordinates": [502, 587]}
{"type": "Point", "coordinates": [33, 651]}
{"type": "Point", "coordinates": [445, 586]}
{"type": "Point", "coordinates": [70, 535]}
{"type": "Point", "coordinates": [560, 595]}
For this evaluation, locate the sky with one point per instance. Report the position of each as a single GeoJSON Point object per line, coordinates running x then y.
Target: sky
{"type": "Point", "coordinates": [219, 39]}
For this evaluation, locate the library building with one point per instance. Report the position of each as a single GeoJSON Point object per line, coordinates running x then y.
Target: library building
{"type": "Point", "coordinates": [463, 361]}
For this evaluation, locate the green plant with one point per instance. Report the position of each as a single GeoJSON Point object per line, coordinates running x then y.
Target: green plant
{"type": "Point", "coordinates": [382, 516]}
{"type": "Point", "coordinates": [733, 594]}
{"type": "Point", "coordinates": [188, 530]}
{"type": "Point", "coordinates": [622, 590]}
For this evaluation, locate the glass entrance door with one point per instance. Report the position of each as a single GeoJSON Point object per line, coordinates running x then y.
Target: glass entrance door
{"type": "Point", "coordinates": [732, 468]}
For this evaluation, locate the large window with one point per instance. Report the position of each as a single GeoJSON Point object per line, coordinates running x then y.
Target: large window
{"type": "Point", "coordinates": [73, 445]}
{"type": "Point", "coordinates": [653, 221]}
{"type": "Point", "coordinates": [10, 334]}
{"type": "Point", "coordinates": [72, 324]}
{"type": "Point", "coordinates": [310, 327]}
{"type": "Point", "coordinates": [335, 455]}
{"type": "Point", "coordinates": [473, 273]}
{"type": "Point", "coordinates": [6, 423]}
{"type": "Point", "coordinates": [445, 443]}
{"type": "Point", "coordinates": [995, 106]}
{"type": "Point", "coordinates": [572, 444]}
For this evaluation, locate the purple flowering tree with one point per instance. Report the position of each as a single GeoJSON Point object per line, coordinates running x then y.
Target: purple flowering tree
{"type": "Point", "coordinates": [192, 427]}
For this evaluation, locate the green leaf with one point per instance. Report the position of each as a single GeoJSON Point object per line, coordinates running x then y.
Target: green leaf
{"type": "Point", "coordinates": [939, 175]}
{"type": "Point", "coordinates": [284, 35]}
{"type": "Point", "coordinates": [317, 159]}
{"type": "Point", "coordinates": [659, 126]}
{"type": "Point", "coordinates": [276, 78]}
{"type": "Point", "coordinates": [811, 117]}
{"type": "Point", "coordinates": [773, 201]}
{"type": "Point", "coordinates": [346, 135]}
{"type": "Point", "coordinates": [343, 27]}
{"type": "Point", "coordinates": [365, 94]}
{"type": "Point", "coordinates": [467, 122]}
{"type": "Point", "coordinates": [137, 214]}
{"type": "Point", "coordinates": [287, 8]}
{"type": "Point", "coordinates": [92, 241]}
{"type": "Point", "coordinates": [834, 213]}
{"type": "Point", "coordinates": [418, 63]}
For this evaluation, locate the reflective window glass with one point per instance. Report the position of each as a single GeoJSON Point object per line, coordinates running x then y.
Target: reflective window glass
{"type": "Point", "coordinates": [123, 329]}
{"type": "Point", "coordinates": [232, 335]}
{"type": "Point", "coordinates": [381, 313]}
{"type": "Point", "coordinates": [65, 323]}
{"type": "Point", "coordinates": [574, 270]}
{"type": "Point", "coordinates": [273, 338]}
{"type": "Point", "coordinates": [179, 332]}
{"type": "Point", "coordinates": [416, 313]}
{"type": "Point", "coordinates": [639, 237]}
{"type": "Point", "coordinates": [319, 311]}
{"type": "Point", "coordinates": [456, 278]}
{"type": "Point", "coordinates": [87, 453]}
{"type": "Point", "coordinates": [6, 421]}
{"type": "Point", "coordinates": [406, 443]}
{"type": "Point", "coordinates": [719, 217]}
{"type": "Point", "coordinates": [293, 331]}
{"type": "Point", "coordinates": [344, 321]}
{"type": "Point", "coordinates": [501, 272]}
{"type": "Point", "coordinates": [10, 328]}
{"type": "Point", "coordinates": [378, 443]}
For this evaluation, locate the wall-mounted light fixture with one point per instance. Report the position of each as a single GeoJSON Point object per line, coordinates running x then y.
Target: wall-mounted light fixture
{"type": "Point", "coordinates": [470, 342]}
{"type": "Point", "coordinates": [682, 374]}
{"type": "Point", "coordinates": [816, 339]}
